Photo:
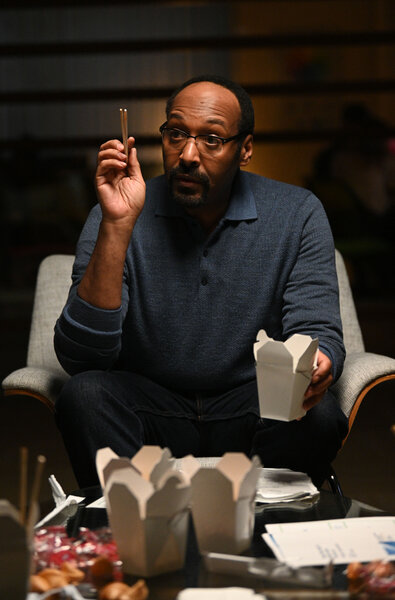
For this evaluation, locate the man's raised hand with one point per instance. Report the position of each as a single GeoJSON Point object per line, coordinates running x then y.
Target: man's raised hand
{"type": "Point", "coordinates": [119, 183]}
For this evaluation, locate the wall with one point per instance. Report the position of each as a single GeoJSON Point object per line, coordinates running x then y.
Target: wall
{"type": "Point", "coordinates": [66, 68]}
{"type": "Point", "coordinates": [294, 61]}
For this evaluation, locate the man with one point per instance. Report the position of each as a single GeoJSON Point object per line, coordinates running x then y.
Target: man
{"type": "Point", "coordinates": [171, 285]}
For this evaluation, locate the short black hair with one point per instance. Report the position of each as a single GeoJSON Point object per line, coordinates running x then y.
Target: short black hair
{"type": "Point", "coordinates": [247, 119]}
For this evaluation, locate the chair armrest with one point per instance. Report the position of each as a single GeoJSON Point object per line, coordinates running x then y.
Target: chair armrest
{"type": "Point", "coordinates": [362, 370]}
{"type": "Point", "coordinates": [44, 384]}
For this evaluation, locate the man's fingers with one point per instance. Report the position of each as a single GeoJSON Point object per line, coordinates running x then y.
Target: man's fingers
{"type": "Point", "coordinates": [134, 169]}
{"type": "Point", "coordinates": [310, 402]}
{"type": "Point", "coordinates": [115, 144]}
{"type": "Point", "coordinates": [320, 387]}
{"type": "Point", "coordinates": [109, 164]}
{"type": "Point", "coordinates": [320, 371]}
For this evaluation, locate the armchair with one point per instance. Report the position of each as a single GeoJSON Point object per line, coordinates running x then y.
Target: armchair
{"type": "Point", "coordinates": [362, 370]}
{"type": "Point", "coordinates": [43, 377]}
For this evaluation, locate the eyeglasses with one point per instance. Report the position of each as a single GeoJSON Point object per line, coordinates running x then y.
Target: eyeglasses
{"type": "Point", "coordinates": [208, 144]}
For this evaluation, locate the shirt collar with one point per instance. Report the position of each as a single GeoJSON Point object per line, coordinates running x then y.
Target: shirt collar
{"type": "Point", "coordinates": [241, 207]}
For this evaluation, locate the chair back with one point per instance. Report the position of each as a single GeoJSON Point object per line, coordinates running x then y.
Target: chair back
{"type": "Point", "coordinates": [352, 334]}
{"type": "Point", "coordinates": [52, 286]}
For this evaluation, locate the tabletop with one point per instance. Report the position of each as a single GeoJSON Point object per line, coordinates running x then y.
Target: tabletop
{"type": "Point", "coordinates": [195, 574]}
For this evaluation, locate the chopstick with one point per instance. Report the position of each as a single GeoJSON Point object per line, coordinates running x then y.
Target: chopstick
{"type": "Point", "coordinates": [23, 484]}
{"type": "Point", "coordinates": [124, 127]}
{"type": "Point", "coordinates": [41, 460]}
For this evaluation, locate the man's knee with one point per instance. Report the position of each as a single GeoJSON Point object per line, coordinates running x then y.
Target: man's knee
{"type": "Point", "coordinates": [80, 395]}
{"type": "Point", "coordinates": [304, 445]}
{"type": "Point", "coordinates": [327, 423]}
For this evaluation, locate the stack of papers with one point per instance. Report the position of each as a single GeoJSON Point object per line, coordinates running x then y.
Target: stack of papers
{"type": "Point", "coordinates": [339, 541]}
{"type": "Point", "coordinates": [279, 486]}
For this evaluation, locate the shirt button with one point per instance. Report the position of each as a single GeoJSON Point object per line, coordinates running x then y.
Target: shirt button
{"type": "Point", "coordinates": [204, 281]}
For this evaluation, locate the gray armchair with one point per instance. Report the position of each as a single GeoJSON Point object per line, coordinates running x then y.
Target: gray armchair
{"type": "Point", "coordinates": [362, 370]}
{"type": "Point", "coordinates": [43, 376]}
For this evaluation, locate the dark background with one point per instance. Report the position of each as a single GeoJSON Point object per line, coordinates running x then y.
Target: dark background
{"type": "Point", "coordinates": [320, 73]}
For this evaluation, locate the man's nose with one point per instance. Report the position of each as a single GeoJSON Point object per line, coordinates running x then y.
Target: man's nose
{"type": "Point", "coordinates": [190, 153]}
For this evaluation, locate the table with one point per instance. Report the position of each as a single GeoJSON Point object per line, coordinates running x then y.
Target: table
{"type": "Point", "coordinates": [194, 574]}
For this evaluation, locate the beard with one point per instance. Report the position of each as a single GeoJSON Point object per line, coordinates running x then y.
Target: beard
{"type": "Point", "coordinates": [185, 195]}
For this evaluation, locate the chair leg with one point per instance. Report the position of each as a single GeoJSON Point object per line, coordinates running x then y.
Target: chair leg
{"type": "Point", "coordinates": [334, 483]}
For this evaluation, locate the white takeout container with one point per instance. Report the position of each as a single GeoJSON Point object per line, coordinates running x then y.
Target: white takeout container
{"type": "Point", "coordinates": [148, 507]}
{"type": "Point", "coordinates": [223, 501]}
{"type": "Point", "coordinates": [15, 554]}
{"type": "Point", "coordinates": [284, 371]}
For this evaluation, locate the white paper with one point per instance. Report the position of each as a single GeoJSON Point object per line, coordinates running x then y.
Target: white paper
{"type": "Point", "coordinates": [283, 485]}
{"type": "Point", "coordinates": [99, 503]}
{"type": "Point", "coordinates": [339, 541]}
{"type": "Point", "coordinates": [70, 502]}
{"type": "Point", "coordinates": [58, 493]}
{"type": "Point", "coordinates": [230, 593]}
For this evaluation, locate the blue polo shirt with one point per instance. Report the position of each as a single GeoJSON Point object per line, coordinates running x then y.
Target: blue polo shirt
{"type": "Point", "coordinates": [192, 304]}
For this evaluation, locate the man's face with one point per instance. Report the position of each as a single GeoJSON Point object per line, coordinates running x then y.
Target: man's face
{"type": "Point", "coordinates": [196, 179]}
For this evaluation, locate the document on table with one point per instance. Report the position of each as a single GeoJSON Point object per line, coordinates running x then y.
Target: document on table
{"type": "Point", "coordinates": [339, 541]}
{"type": "Point", "coordinates": [284, 485]}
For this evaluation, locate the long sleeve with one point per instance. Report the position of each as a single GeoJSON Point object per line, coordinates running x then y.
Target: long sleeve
{"type": "Point", "coordinates": [311, 304]}
{"type": "Point", "coordinates": [87, 337]}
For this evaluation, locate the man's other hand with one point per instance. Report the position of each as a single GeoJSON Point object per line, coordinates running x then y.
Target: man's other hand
{"type": "Point", "coordinates": [321, 380]}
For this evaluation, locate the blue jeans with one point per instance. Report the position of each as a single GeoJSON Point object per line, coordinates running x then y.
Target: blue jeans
{"type": "Point", "coordinates": [124, 411]}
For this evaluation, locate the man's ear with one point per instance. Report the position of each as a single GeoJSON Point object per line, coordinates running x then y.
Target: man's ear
{"type": "Point", "coordinates": [246, 151]}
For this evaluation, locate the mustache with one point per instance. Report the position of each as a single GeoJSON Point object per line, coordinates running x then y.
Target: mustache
{"type": "Point", "coordinates": [191, 172]}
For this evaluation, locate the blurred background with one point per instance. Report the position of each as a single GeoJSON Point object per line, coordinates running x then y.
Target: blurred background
{"type": "Point", "coordinates": [321, 76]}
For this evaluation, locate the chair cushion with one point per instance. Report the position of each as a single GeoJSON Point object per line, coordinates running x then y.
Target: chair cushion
{"type": "Point", "coordinates": [360, 370]}
{"type": "Point", "coordinates": [35, 380]}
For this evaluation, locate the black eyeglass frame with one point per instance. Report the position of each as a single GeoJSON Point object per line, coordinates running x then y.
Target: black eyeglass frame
{"type": "Point", "coordinates": [163, 127]}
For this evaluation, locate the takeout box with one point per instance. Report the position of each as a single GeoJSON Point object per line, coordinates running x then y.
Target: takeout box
{"type": "Point", "coordinates": [223, 501]}
{"type": "Point", "coordinates": [15, 554]}
{"type": "Point", "coordinates": [284, 371]}
{"type": "Point", "coordinates": [148, 508]}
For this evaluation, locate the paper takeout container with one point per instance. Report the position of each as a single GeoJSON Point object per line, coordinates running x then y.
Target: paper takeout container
{"type": "Point", "coordinates": [148, 507]}
{"type": "Point", "coordinates": [15, 554]}
{"type": "Point", "coordinates": [223, 502]}
{"type": "Point", "coordinates": [284, 371]}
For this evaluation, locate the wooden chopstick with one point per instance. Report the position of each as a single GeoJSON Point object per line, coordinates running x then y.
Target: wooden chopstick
{"type": "Point", "coordinates": [41, 460]}
{"type": "Point", "coordinates": [124, 127]}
